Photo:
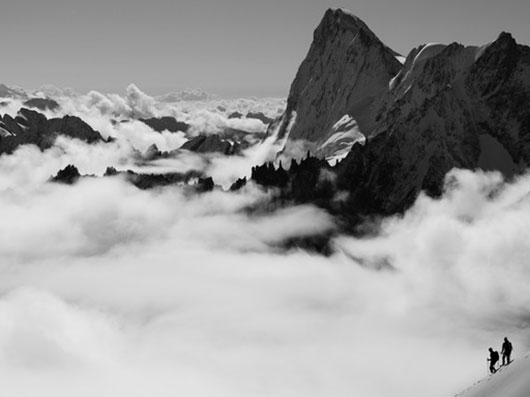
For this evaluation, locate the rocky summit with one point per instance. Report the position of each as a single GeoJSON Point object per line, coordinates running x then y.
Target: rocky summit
{"type": "Point", "coordinates": [342, 77]}
{"type": "Point", "coordinates": [447, 106]}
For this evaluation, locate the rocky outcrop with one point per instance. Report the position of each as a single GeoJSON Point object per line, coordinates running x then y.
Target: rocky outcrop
{"type": "Point", "coordinates": [153, 153]}
{"type": "Point", "coordinates": [31, 127]}
{"type": "Point", "coordinates": [193, 179]}
{"type": "Point", "coordinates": [151, 181]}
{"type": "Point", "coordinates": [259, 116]}
{"type": "Point", "coordinates": [306, 181]}
{"type": "Point", "coordinates": [42, 104]}
{"type": "Point", "coordinates": [166, 124]}
{"type": "Point", "coordinates": [346, 72]}
{"type": "Point", "coordinates": [211, 144]}
{"type": "Point", "coordinates": [235, 115]}
{"type": "Point", "coordinates": [239, 184]}
{"type": "Point", "coordinates": [68, 175]}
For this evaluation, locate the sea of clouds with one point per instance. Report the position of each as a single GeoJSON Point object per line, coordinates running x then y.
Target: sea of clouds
{"type": "Point", "coordinates": [117, 116]}
{"type": "Point", "coordinates": [209, 115]}
{"type": "Point", "coordinates": [108, 290]}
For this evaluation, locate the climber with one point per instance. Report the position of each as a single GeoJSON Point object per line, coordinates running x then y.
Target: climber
{"type": "Point", "coordinates": [506, 352]}
{"type": "Point", "coordinates": [494, 357]}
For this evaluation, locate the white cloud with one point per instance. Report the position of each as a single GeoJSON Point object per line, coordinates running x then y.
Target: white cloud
{"type": "Point", "coordinates": [164, 292]}
{"type": "Point", "coordinates": [129, 291]}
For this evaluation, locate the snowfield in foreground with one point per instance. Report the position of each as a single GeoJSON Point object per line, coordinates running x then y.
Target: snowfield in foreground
{"type": "Point", "coordinates": [509, 381]}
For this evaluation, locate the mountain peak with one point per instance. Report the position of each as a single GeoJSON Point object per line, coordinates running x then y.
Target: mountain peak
{"type": "Point", "coordinates": [336, 21]}
{"type": "Point", "coordinates": [339, 18]}
{"type": "Point", "coordinates": [346, 69]}
{"type": "Point", "coordinates": [342, 15]}
{"type": "Point", "coordinates": [504, 41]}
{"type": "Point", "coordinates": [505, 36]}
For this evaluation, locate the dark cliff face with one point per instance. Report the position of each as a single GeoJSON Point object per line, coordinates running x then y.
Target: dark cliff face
{"type": "Point", "coordinates": [345, 72]}
{"type": "Point", "coordinates": [31, 127]}
{"type": "Point", "coordinates": [458, 107]}
{"type": "Point", "coordinates": [499, 83]}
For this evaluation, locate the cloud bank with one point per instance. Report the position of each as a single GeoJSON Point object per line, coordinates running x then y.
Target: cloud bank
{"type": "Point", "coordinates": [111, 290]}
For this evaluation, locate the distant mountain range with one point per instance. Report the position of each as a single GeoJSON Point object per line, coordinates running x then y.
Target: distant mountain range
{"type": "Point", "coordinates": [55, 92]}
{"type": "Point", "coordinates": [11, 92]}
{"type": "Point", "coordinates": [186, 95]}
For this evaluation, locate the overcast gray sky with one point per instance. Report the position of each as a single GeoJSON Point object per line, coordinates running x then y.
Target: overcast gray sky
{"type": "Point", "coordinates": [228, 47]}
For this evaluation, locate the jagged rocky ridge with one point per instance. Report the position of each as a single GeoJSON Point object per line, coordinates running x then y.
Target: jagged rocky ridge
{"type": "Point", "coordinates": [194, 182]}
{"type": "Point", "coordinates": [214, 144]}
{"type": "Point", "coordinates": [31, 127]}
{"type": "Point", "coordinates": [448, 106]}
{"type": "Point", "coordinates": [69, 175]}
{"type": "Point", "coordinates": [230, 141]}
{"type": "Point", "coordinates": [42, 104]}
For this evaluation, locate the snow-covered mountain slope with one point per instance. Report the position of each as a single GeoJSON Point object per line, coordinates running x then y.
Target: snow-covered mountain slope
{"type": "Point", "coordinates": [457, 107]}
{"type": "Point", "coordinates": [509, 381]}
{"type": "Point", "coordinates": [345, 72]}
{"type": "Point", "coordinates": [345, 133]}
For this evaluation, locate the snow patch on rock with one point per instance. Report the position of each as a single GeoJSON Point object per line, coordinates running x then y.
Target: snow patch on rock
{"type": "Point", "coordinates": [345, 133]}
